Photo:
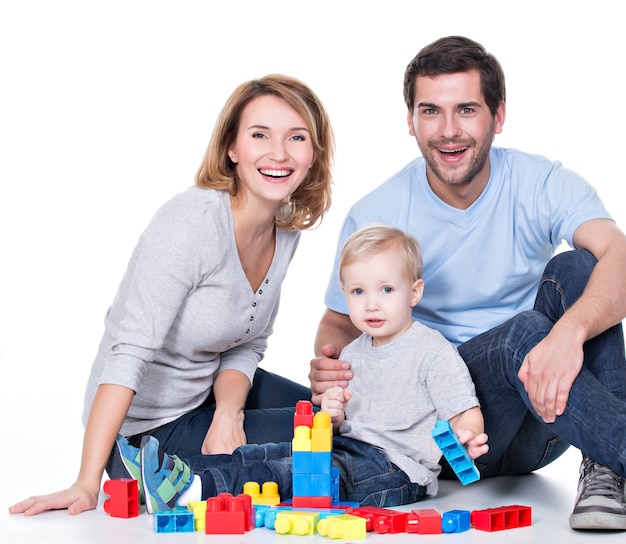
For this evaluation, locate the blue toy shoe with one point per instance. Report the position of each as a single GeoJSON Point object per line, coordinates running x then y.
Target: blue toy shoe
{"type": "Point", "coordinates": [124, 462]}
{"type": "Point", "coordinates": [165, 477]}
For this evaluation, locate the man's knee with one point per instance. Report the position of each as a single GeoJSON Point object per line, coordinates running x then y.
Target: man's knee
{"type": "Point", "coordinates": [576, 261]}
{"type": "Point", "coordinates": [564, 280]}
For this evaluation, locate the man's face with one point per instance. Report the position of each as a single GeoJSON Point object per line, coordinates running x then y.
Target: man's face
{"type": "Point", "coordinates": [454, 130]}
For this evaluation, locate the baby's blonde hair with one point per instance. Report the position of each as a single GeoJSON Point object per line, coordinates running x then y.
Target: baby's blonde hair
{"type": "Point", "coordinates": [377, 238]}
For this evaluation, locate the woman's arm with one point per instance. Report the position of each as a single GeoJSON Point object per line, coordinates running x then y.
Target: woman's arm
{"type": "Point", "coordinates": [107, 413]}
{"type": "Point", "coordinates": [226, 433]}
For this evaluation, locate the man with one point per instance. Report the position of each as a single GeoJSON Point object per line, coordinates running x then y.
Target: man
{"type": "Point", "coordinates": [540, 334]}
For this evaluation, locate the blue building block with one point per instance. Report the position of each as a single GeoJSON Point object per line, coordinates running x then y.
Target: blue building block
{"type": "Point", "coordinates": [301, 462]}
{"type": "Point", "coordinates": [173, 521]}
{"type": "Point", "coordinates": [334, 485]}
{"type": "Point", "coordinates": [454, 452]}
{"type": "Point", "coordinates": [455, 521]}
{"type": "Point", "coordinates": [311, 462]}
{"type": "Point", "coordinates": [311, 485]}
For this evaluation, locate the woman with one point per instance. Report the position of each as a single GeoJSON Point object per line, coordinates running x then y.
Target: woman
{"type": "Point", "coordinates": [191, 318]}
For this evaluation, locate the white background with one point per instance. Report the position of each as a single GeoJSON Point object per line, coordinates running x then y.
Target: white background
{"type": "Point", "coordinates": [106, 109]}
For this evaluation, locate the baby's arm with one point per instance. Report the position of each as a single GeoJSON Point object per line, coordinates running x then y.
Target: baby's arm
{"type": "Point", "coordinates": [470, 428]}
{"type": "Point", "coordinates": [334, 402]}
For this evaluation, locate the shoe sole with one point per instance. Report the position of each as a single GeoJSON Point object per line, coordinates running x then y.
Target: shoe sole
{"type": "Point", "coordinates": [598, 521]}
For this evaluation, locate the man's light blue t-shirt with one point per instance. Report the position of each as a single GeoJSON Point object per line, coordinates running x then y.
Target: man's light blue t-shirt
{"type": "Point", "coordinates": [482, 265]}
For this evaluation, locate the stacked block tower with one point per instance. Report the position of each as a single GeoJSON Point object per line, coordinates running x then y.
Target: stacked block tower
{"type": "Point", "coordinates": [312, 458]}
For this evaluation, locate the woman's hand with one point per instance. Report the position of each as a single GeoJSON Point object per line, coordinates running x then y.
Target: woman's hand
{"type": "Point", "coordinates": [76, 499]}
{"type": "Point", "coordinates": [225, 433]}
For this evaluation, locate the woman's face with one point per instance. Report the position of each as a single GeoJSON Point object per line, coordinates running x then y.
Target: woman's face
{"type": "Point", "coordinates": [273, 150]}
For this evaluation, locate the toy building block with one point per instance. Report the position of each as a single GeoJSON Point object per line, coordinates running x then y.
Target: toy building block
{"type": "Point", "coordinates": [198, 509]}
{"type": "Point", "coordinates": [334, 484]}
{"type": "Point", "coordinates": [226, 514]}
{"type": "Point", "coordinates": [503, 517]}
{"type": "Point", "coordinates": [173, 521]}
{"type": "Point", "coordinates": [345, 506]}
{"type": "Point", "coordinates": [296, 523]}
{"type": "Point", "coordinates": [344, 526]}
{"type": "Point", "coordinates": [311, 447]}
{"type": "Point", "coordinates": [311, 502]}
{"type": "Point", "coordinates": [123, 501]}
{"type": "Point", "coordinates": [249, 509]}
{"type": "Point", "coordinates": [304, 414]}
{"type": "Point", "coordinates": [454, 452]}
{"type": "Point", "coordinates": [382, 520]}
{"type": "Point", "coordinates": [267, 494]}
{"type": "Point", "coordinates": [455, 521]}
{"type": "Point", "coordinates": [322, 432]}
{"type": "Point", "coordinates": [424, 522]}
{"type": "Point", "coordinates": [311, 485]}
{"type": "Point", "coordinates": [301, 439]}
{"type": "Point", "coordinates": [267, 517]}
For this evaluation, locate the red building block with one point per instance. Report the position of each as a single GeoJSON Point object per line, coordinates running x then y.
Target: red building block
{"type": "Point", "coordinates": [226, 515]}
{"type": "Point", "coordinates": [124, 498]}
{"type": "Point", "coordinates": [424, 522]}
{"type": "Point", "coordinates": [382, 520]}
{"type": "Point", "coordinates": [250, 511]}
{"type": "Point", "coordinates": [503, 517]}
{"type": "Point", "coordinates": [311, 502]}
{"type": "Point", "coordinates": [304, 414]}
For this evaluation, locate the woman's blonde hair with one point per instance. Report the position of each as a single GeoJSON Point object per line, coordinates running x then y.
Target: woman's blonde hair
{"type": "Point", "coordinates": [311, 200]}
{"type": "Point", "coordinates": [375, 239]}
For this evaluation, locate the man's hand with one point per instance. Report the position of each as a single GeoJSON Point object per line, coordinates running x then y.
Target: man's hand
{"type": "Point", "coordinates": [548, 372]}
{"type": "Point", "coordinates": [328, 371]}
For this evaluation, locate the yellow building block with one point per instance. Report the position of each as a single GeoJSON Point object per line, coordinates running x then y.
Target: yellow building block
{"type": "Point", "coordinates": [198, 509]}
{"type": "Point", "coordinates": [322, 432]}
{"type": "Point", "coordinates": [301, 438]}
{"type": "Point", "coordinates": [267, 494]}
{"type": "Point", "coordinates": [296, 523]}
{"type": "Point", "coordinates": [343, 526]}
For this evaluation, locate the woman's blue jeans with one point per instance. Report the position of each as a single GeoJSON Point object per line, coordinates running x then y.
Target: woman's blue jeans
{"type": "Point", "coordinates": [595, 417]}
{"type": "Point", "coordinates": [268, 417]}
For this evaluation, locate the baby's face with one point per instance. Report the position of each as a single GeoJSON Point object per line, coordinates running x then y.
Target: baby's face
{"type": "Point", "coordinates": [380, 295]}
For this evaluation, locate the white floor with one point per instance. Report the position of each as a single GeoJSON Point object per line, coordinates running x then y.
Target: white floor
{"type": "Point", "coordinates": [549, 492]}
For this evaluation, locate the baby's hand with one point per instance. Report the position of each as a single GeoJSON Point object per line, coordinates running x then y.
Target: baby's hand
{"type": "Point", "coordinates": [476, 445]}
{"type": "Point", "coordinates": [334, 402]}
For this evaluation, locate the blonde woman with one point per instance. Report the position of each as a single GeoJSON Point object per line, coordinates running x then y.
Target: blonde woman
{"type": "Point", "coordinates": [190, 322]}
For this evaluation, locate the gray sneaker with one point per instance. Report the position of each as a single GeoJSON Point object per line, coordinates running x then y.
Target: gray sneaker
{"type": "Point", "coordinates": [600, 502]}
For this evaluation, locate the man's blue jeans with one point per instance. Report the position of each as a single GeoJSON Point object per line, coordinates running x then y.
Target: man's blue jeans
{"type": "Point", "coordinates": [595, 417]}
{"type": "Point", "coordinates": [365, 474]}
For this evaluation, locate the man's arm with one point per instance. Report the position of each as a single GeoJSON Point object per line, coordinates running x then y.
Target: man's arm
{"type": "Point", "coordinates": [551, 366]}
{"type": "Point", "coordinates": [334, 332]}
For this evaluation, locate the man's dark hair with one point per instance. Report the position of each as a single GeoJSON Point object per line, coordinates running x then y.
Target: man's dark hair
{"type": "Point", "coordinates": [457, 54]}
